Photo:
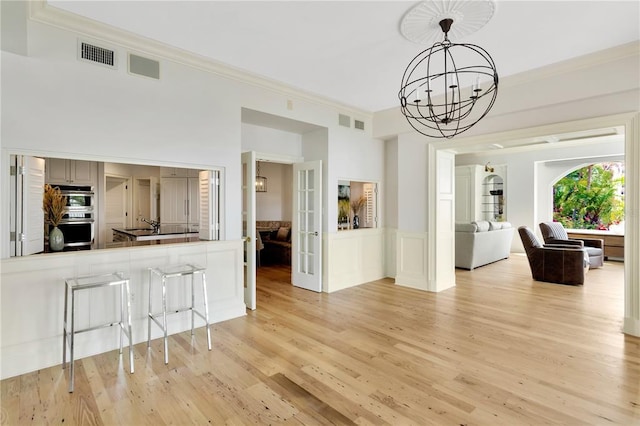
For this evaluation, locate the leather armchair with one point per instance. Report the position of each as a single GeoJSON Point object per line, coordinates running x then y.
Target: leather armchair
{"type": "Point", "coordinates": [562, 264]}
{"type": "Point", "coordinates": [554, 233]}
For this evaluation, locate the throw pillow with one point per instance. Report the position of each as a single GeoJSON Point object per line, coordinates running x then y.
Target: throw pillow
{"type": "Point", "coordinates": [283, 234]}
{"type": "Point", "coordinates": [483, 225]}
{"type": "Point", "coordinates": [493, 226]}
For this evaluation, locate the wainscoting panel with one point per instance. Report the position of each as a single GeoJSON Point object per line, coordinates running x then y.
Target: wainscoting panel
{"type": "Point", "coordinates": [354, 257]}
{"type": "Point", "coordinates": [33, 298]}
{"type": "Point", "coordinates": [411, 259]}
{"type": "Point", "coordinates": [390, 252]}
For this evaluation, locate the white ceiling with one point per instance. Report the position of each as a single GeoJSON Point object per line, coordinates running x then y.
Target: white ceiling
{"type": "Point", "coordinates": [352, 51]}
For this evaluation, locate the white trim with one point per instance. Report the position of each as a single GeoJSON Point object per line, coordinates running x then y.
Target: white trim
{"type": "Point", "coordinates": [278, 158]}
{"type": "Point", "coordinates": [632, 228]}
{"type": "Point", "coordinates": [570, 65]}
{"type": "Point", "coordinates": [109, 159]}
{"type": "Point", "coordinates": [533, 132]}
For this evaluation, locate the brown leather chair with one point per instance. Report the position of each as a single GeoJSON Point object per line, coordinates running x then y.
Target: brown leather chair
{"type": "Point", "coordinates": [554, 233]}
{"type": "Point", "coordinates": [562, 264]}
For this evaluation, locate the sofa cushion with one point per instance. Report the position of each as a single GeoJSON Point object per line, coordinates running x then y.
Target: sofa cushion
{"type": "Point", "coordinates": [466, 227]}
{"type": "Point", "coordinates": [483, 225]}
{"type": "Point", "coordinates": [493, 226]}
{"type": "Point", "coordinates": [506, 225]}
{"type": "Point", "coordinates": [283, 234]}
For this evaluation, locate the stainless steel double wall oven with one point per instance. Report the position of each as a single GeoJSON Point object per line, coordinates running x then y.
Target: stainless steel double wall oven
{"type": "Point", "coordinates": [78, 222]}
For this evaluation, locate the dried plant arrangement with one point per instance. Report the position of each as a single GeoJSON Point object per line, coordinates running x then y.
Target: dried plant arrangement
{"type": "Point", "coordinates": [53, 204]}
{"type": "Point", "coordinates": [357, 205]}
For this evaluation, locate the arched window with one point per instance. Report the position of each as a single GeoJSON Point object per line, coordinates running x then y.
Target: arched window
{"type": "Point", "coordinates": [591, 197]}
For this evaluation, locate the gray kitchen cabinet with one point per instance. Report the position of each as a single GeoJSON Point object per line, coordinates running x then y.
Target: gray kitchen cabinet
{"type": "Point", "coordinates": [178, 172]}
{"type": "Point", "coordinates": [70, 172]}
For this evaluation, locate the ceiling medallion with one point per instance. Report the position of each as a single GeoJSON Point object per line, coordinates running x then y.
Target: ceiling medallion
{"type": "Point", "coordinates": [421, 24]}
{"type": "Point", "coordinates": [449, 87]}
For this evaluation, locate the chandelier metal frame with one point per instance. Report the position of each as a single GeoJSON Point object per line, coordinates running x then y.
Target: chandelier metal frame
{"type": "Point", "coordinates": [446, 113]}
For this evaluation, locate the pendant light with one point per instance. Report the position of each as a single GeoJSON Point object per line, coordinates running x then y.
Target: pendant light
{"type": "Point", "coordinates": [449, 87]}
{"type": "Point", "coordinates": [261, 181]}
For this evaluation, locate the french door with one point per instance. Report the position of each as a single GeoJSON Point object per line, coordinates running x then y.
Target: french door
{"type": "Point", "coordinates": [306, 268]}
{"type": "Point", "coordinates": [249, 227]}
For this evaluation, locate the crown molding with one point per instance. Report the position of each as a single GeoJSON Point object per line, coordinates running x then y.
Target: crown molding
{"type": "Point", "coordinates": [600, 57]}
{"type": "Point", "coordinates": [41, 12]}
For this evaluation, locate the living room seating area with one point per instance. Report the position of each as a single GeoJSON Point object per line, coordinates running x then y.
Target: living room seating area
{"type": "Point", "coordinates": [482, 242]}
{"type": "Point", "coordinates": [561, 264]}
{"type": "Point", "coordinates": [276, 239]}
{"type": "Point", "coordinates": [554, 233]}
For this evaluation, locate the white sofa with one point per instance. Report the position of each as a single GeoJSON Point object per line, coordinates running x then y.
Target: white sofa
{"type": "Point", "coordinates": [482, 242]}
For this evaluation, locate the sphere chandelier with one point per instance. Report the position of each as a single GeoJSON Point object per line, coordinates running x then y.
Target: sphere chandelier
{"type": "Point", "coordinates": [448, 88]}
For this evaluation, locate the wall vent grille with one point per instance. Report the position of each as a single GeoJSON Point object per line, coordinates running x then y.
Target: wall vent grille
{"type": "Point", "coordinates": [144, 66]}
{"type": "Point", "coordinates": [358, 124]}
{"type": "Point", "coordinates": [96, 54]}
{"type": "Point", "coordinates": [344, 120]}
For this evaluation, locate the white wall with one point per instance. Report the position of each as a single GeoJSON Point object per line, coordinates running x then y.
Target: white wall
{"type": "Point", "coordinates": [56, 106]}
{"type": "Point", "coordinates": [275, 204]}
{"type": "Point", "coordinates": [272, 141]}
{"type": "Point", "coordinates": [353, 156]}
{"type": "Point", "coordinates": [357, 256]}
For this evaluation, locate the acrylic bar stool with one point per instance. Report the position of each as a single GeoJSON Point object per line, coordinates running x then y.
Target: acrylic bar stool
{"type": "Point", "coordinates": [175, 272]}
{"type": "Point", "coordinates": [73, 285]}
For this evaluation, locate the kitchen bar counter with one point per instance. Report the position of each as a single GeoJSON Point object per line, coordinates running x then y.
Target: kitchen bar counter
{"type": "Point", "coordinates": [165, 232]}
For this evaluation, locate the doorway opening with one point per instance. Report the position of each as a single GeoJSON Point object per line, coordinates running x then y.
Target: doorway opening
{"type": "Point", "coordinates": [273, 226]}
{"type": "Point", "coordinates": [117, 204]}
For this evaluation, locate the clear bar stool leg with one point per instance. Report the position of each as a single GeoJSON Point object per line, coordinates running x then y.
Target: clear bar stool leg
{"type": "Point", "coordinates": [150, 311]}
{"type": "Point", "coordinates": [64, 330]}
{"type": "Point", "coordinates": [128, 291]}
{"type": "Point", "coordinates": [121, 318]}
{"type": "Point", "coordinates": [193, 303]}
{"type": "Point", "coordinates": [72, 338]}
{"type": "Point", "coordinates": [164, 319]}
{"type": "Point", "coordinates": [206, 308]}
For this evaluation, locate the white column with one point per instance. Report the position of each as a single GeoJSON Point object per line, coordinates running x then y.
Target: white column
{"type": "Point", "coordinates": [632, 228]}
{"type": "Point", "coordinates": [441, 219]}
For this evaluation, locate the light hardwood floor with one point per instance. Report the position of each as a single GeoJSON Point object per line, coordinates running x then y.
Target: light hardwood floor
{"type": "Point", "coordinates": [498, 348]}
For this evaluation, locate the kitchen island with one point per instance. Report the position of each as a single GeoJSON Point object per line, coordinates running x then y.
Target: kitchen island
{"type": "Point", "coordinates": [163, 234]}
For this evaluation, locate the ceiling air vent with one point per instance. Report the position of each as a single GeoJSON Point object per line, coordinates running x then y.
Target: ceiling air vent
{"type": "Point", "coordinates": [358, 124]}
{"type": "Point", "coordinates": [96, 54]}
{"type": "Point", "coordinates": [144, 66]}
{"type": "Point", "coordinates": [344, 120]}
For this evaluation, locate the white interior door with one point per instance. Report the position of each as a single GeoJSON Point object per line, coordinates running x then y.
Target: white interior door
{"type": "Point", "coordinates": [306, 268]}
{"type": "Point", "coordinates": [32, 217]}
{"type": "Point", "coordinates": [154, 196]}
{"type": "Point", "coordinates": [209, 224]}
{"type": "Point", "coordinates": [249, 227]}
{"type": "Point", "coordinates": [142, 201]}
{"type": "Point", "coordinates": [116, 205]}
